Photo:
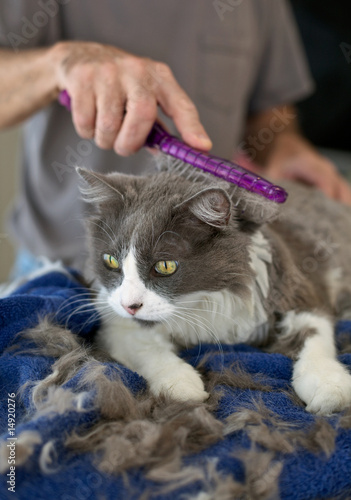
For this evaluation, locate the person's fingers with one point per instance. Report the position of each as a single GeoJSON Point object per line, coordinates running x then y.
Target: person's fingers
{"type": "Point", "coordinates": [108, 120]}
{"type": "Point", "coordinates": [273, 171]}
{"type": "Point", "coordinates": [83, 112]}
{"type": "Point", "coordinates": [316, 173]}
{"type": "Point", "coordinates": [110, 105]}
{"type": "Point", "coordinates": [109, 82]}
{"type": "Point", "coordinates": [310, 168]}
{"type": "Point", "coordinates": [140, 116]}
{"type": "Point", "coordinates": [177, 105]}
{"type": "Point", "coordinates": [325, 182]}
{"type": "Point", "coordinates": [344, 191]}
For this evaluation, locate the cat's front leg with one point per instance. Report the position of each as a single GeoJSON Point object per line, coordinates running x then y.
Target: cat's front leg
{"type": "Point", "coordinates": [319, 379]}
{"type": "Point", "coordinates": [151, 353]}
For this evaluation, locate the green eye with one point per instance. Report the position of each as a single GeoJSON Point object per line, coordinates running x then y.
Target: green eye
{"type": "Point", "coordinates": [110, 261]}
{"type": "Point", "coordinates": [166, 267]}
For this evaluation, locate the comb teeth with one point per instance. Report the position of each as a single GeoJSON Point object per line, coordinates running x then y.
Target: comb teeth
{"type": "Point", "coordinates": [258, 208]}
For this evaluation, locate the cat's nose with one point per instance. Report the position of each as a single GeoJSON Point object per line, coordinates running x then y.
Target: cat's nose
{"type": "Point", "coordinates": [133, 308]}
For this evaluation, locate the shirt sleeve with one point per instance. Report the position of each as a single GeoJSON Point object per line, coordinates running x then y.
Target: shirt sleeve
{"type": "Point", "coordinates": [283, 75]}
{"type": "Point", "coordinates": [26, 24]}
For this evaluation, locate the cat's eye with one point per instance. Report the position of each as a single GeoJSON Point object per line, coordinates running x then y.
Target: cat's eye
{"type": "Point", "coordinates": [166, 267]}
{"type": "Point", "coordinates": [110, 261]}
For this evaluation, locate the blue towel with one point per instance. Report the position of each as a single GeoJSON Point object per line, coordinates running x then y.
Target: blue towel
{"type": "Point", "coordinates": [303, 475]}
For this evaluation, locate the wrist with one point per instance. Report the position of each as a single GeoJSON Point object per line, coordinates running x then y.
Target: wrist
{"type": "Point", "coordinates": [287, 145]}
{"type": "Point", "coordinates": [56, 56]}
{"type": "Point", "coordinates": [290, 142]}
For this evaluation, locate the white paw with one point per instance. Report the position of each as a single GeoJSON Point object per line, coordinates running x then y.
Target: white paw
{"type": "Point", "coordinates": [325, 389]}
{"type": "Point", "coordinates": [182, 384]}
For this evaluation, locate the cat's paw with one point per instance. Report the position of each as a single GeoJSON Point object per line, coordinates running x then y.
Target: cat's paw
{"type": "Point", "coordinates": [325, 389]}
{"type": "Point", "coordinates": [182, 384]}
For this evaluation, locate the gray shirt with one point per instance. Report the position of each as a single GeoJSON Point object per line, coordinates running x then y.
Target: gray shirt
{"type": "Point", "coordinates": [232, 57]}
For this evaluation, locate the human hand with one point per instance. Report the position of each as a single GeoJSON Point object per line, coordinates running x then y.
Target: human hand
{"type": "Point", "coordinates": [115, 95]}
{"type": "Point", "coordinates": [294, 158]}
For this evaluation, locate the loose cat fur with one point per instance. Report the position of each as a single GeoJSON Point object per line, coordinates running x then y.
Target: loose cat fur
{"type": "Point", "coordinates": [249, 271]}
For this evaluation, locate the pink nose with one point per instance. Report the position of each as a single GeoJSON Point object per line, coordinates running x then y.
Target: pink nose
{"type": "Point", "coordinates": [132, 309]}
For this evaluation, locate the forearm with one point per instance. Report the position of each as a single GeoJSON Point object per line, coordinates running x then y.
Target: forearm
{"type": "Point", "coordinates": [27, 83]}
{"type": "Point", "coordinates": [272, 132]}
{"type": "Point", "coordinates": [275, 143]}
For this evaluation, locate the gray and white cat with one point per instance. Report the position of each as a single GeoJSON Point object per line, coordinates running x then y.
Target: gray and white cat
{"type": "Point", "coordinates": [180, 262]}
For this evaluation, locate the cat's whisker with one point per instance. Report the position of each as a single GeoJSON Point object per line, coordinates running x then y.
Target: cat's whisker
{"type": "Point", "coordinates": [206, 300]}
{"type": "Point", "coordinates": [93, 304]}
{"type": "Point", "coordinates": [216, 306]}
{"type": "Point", "coordinates": [107, 312]}
{"type": "Point", "coordinates": [85, 309]}
{"type": "Point", "coordinates": [90, 318]}
{"type": "Point", "coordinates": [167, 323]}
{"type": "Point", "coordinates": [77, 311]}
{"type": "Point", "coordinates": [211, 311]}
{"type": "Point", "coordinates": [109, 316]}
{"type": "Point", "coordinates": [73, 300]}
{"type": "Point", "coordinates": [194, 323]}
{"type": "Point", "coordinates": [108, 226]}
{"type": "Point", "coordinates": [91, 237]}
{"type": "Point", "coordinates": [162, 234]}
{"type": "Point", "coordinates": [83, 296]}
{"type": "Point", "coordinates": [177, 325]}
{"type": "Point", "coordinates": [201, 322]}
{"type": "Point", "coordinates": [185, 336]}
{"type": "Point", "coordinates": [103, 229]}
{"type": "Point", "coordinates": [99, 219]}
{"type": "Point", "coordinates": [196, 319]}
{"type": "Point", "coordinates": [88, 309]}
{"type": "Point", "coordinates": [189, 322]}
{"type": "Point", "coordinates": [239, 274]}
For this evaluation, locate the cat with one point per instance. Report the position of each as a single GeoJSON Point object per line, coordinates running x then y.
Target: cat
{"type": "Point", "coordinates": [180, 262]}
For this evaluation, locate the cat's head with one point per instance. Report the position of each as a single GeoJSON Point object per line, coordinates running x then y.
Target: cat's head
{"type": "Point", "coordinates": [157, 241]}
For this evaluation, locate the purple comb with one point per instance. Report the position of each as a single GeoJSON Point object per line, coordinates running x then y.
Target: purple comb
{"type": "Point", "coordinates": [225, 169]}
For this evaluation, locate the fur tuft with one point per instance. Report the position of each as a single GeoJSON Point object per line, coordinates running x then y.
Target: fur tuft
{"type": "Point", "coordinates": [96, 189]}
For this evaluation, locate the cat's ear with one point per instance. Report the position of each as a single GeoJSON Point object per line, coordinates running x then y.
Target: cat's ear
{"type": "Point", "coordinates": [253, 210]}
{"type": "Point", "coordinates": [211, 206]}
{"type": "Point", "coordinates": [97, 188]}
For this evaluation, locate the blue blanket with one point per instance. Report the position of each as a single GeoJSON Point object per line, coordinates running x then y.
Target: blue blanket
{"type": "Point", "coordinates": [301, 472]}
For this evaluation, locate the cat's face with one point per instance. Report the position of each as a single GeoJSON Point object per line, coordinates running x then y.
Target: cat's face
{"type": "Point", "coordinates": [159, 240]}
